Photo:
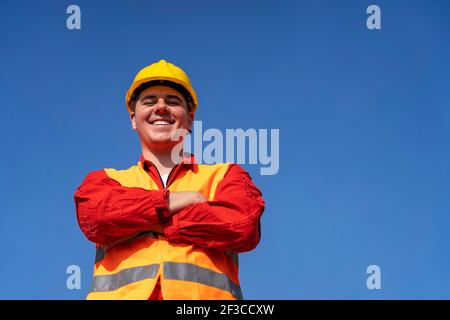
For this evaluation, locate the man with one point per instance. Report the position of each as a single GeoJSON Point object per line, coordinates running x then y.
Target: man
{"type": "Point", "coordinates": [167, 228]}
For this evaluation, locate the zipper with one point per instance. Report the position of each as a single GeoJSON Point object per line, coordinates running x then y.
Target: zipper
{"type": "Point", "coordinates": [168, 177]}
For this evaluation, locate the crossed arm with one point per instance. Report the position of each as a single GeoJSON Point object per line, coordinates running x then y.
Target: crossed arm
{"type": "Point", "coordinates": [107, 212]}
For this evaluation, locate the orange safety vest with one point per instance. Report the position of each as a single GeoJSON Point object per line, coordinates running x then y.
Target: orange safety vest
{"type": "Point", "coordinates": [130, 270]}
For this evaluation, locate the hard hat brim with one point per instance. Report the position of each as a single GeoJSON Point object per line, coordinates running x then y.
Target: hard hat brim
{"type": "Point", "coordinates": [136, 84]}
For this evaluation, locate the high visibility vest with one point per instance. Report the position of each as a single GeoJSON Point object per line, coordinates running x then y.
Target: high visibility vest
{"type": "Point", "coordinates": [130, 270]}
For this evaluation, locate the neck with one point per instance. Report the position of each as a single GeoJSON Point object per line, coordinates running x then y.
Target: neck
{"type": "Point", "coordinates": [162, 159]}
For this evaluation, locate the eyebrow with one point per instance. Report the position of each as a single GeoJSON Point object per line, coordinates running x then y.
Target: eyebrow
{"type": "Point", "coordinates": [169, 96]}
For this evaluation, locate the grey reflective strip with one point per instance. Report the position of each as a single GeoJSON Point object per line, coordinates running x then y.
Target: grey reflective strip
{"type": "Point", "coordinates": [234, 256]}
{"type": "Point", "coordinates": [236, 259]}
{"type": "Point", "coordinates": [191, 272]}
{"type": "Point", "coordinates": [99, 254]}
{"type": "Point", "coordinates": [124, 277]}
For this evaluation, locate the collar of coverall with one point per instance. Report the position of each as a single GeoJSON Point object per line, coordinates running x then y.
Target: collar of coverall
{"type": "Point", "coordinates": [188, 161]}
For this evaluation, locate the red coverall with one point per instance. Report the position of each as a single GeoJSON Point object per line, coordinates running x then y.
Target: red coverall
{"type": "Point", "coordinates": [207, 224]}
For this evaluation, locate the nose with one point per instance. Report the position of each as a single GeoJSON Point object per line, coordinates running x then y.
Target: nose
{"type": "Point", "coordinates": [161, 107]}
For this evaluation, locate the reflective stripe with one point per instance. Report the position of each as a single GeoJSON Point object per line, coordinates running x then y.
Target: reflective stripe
{"type": "Point", "coordinates": [99, 254]}
{"type": "Point", "coordinates": [124, 277]}
{"type": "Point", "coordinates": [191, 272]}
{"type": "Point", "coordinates": [234, 256]}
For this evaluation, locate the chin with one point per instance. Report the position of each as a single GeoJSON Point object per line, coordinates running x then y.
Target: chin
{"type": "Point", "coordinates": [162, 142]}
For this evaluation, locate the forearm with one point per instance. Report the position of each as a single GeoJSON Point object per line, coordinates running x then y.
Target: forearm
{"type": "Point", "coordinates": [203, 225]}
{"type": "Point", "coordinates": [231, 222]}
{"type": "Point", "coordinates": [107, 211]}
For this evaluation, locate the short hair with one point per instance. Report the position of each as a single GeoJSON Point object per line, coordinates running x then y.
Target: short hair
{"type": "Point", "coordinates": [178, 87]}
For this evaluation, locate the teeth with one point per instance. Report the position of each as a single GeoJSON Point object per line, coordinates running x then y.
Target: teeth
{"type": "Point", "coordinates": [161, 122]}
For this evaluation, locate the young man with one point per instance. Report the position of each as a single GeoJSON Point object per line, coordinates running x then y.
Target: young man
{"type": "Point", "coordinates": [167, 228]}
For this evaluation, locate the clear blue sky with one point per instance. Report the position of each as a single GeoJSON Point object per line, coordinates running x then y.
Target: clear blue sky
{"type": "Point", "coordinates": [364, 134]}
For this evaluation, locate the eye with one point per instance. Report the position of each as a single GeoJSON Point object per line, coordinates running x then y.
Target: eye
{"type": "Point", "coordinates": [173, 102]}
{"type": "Point", "coordinates": [149, 102]}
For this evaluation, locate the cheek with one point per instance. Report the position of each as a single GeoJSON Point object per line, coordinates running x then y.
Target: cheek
{"type": "Point", "coordinates": [142, 115]}
{"type": "Point", "coordinates": [183, 117]}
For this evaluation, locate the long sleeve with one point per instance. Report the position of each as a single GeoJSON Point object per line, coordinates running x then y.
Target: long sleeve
{"type": "Point", "coordinates": [107, 211]}
{"type": "Point", "coordinates": [231, 222]}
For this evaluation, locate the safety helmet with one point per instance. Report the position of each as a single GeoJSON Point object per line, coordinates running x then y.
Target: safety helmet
{"type": "Point", "coordinates": [163, 72]}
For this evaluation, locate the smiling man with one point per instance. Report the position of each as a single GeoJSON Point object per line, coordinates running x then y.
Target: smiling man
{"type": "Point", "coordinates": [167, 227]}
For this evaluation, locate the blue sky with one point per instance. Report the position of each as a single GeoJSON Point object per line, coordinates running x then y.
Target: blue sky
{"type": "Point", "coordinates": [364, 134]}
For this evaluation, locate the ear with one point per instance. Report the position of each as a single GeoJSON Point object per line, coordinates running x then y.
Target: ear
{"type": "Point", "coordinates": [133, 120]}
{"type": "Point", "coordinates": [190, 120]}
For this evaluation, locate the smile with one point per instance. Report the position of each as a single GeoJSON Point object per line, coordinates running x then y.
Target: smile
{"type": "Point", "coordinates": [162, 122]}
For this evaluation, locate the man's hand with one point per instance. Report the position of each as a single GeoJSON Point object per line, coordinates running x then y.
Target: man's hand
{"type": "Point", "coordinates": [180, 200]}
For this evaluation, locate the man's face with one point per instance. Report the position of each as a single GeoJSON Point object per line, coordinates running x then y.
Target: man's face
{"type": "Point", "coordinates": [159, 112]}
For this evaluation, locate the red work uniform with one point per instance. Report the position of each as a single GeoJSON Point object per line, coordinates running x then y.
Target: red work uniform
{"type": "Point", "coordinates": [108, 211]}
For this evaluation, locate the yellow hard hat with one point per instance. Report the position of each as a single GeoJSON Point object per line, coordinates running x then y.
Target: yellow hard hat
{"type": "Point", "coordinates": [163, 71]}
